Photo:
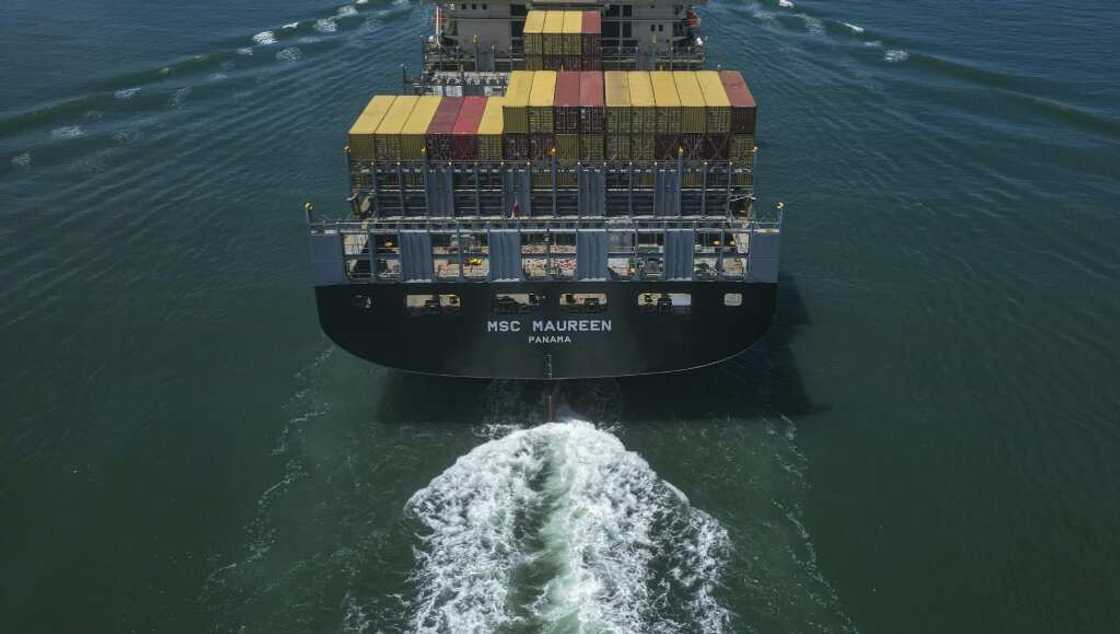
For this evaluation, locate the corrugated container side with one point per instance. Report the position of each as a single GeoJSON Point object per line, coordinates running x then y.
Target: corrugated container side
{"type": "Point", "coordinates": [617, 93]}
{"type": "Point", "coordinates": [540, 146]}
{"type": "Point", "coordinates": [715, 146]}
{"type": "Point", "coordinates": [567, 103]}
{"type": "Point", "coordinates": [743, 108]}
{"type": "Point", "coordinates": [438, 136]}
{"type": "Point", "coordinates": [692, 102]}
{"type": "Point", "coordinates": [592, 63]}
{"type": "Point", "coordinates": [516, 105]}
{"type": "Point", "coordinates": [573, 31]}
{"type": "Point", "coordinates": [490, 146]}
{"type": "Point", "coordinates": [618, 147]}
{"type": "Point", "coordinates": [591, 102]}
{"type": "Point", "coordinates": [464, 135]}
{"type": "Point", "coordinates": [533, 33]}
{"type": "Point", "coordinates": [643, 107]}
{"type": "Point", "coordinates": [666, 146]}
{"type": "Point", "coordinates": [414, 132]}
{"type": "Point", "coordinates": [553, 33]}
{"type": "Point", "coordinates": [515, 147]}
{"type": "Point", "coordinates": [534, 62]}
{"type": "Point", "coordinates": [741, 148]}
{"type": "Point", "coordinates": [667, 101]}
{"type": "Point", "coordinates": [552, 62]}
{"type": "Point", "coordinates": [591, 147]}
{"type": "Point", "coordinates": [641, 147]}
{"type": "Point", "coordinates": [541, 102]}
{"type": "Point", "coordinates": [571, 62]}
{"type": "Point", "coordinates": [718, 107]}
{"type": "Point", "coordinates": [592, 39]}
{"type": "Point", "coordinates": [567, 147]}
{"type": "Point", "coordinates": [362, 133]}
{"type": "Point", "coordinates": [388, 136]}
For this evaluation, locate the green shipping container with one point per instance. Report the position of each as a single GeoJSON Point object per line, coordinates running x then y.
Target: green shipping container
{"type": "Point", "coordinates": [591, 147]}
{"type": "Point", "coordinates": [618, 147]}
{"type": "Point", "coordinates": [567, 147]}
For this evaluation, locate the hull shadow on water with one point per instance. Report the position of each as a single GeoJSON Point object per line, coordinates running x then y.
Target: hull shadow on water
{"type": "Point", "coordinates": [763, 380]}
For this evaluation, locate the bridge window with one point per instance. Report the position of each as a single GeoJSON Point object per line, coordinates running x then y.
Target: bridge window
{"type": "Point", "coordinates": [517, 303]}
{"type": "Point", "coordinates": [476, 255]}
{"type": "Point", "coordinates": [650, 254]}
{"type": "Point", "coordinates": [734, 254]}
{"type": "Point", "coordinates": [432, 304]}
{"type": "Point", "coordinates": [583, 302]}
{"type": "Point", "coordinates": [732, 299]}
{"type": "Point", "coordinates": [705, 264]}
{"type": "Point", "coordinates": [620, 259]}
{"type": "Point", "coordinates": [387, 256]}
{"type": "Point", "coordinates": [534, 255]}
{"type": "Point", "coordinates": [563, 254]}
{"type": "Point", "coordinates": [665, 303]}
{"type": "Point", "coordinates": [445, 256]}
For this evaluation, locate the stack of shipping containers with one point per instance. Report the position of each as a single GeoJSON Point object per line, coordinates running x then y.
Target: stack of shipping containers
{"type": "Point", "coordinates": [591, 40]}
{"type": "Point", "coordinates": [490, 130]}
{"type": "Point", "coordinates": [533, 40]}
{"type": "Point", "coordinates": [566, 115]}
{"type": "Point", "coordinates": [442, 127]}
{"type": "Point", "coordinates": [643, 116]}
{"type": "Point", "coordinates": [387, 142]}
{"type": "Point", "coordinates": [617, 89]}
{"type": "Point", "coordinates": [540, 114]}
{"type": "Point", "coordinates": [515, 115]}
{"type": "Point", "coordinates": [591, 116]}
{"type": "Point", "coordinates": [572, 40]}
{"type": "Point", "coordinates": [465, 135]}
{"type": "Point", "coordinates": [553, 40]}
{"type": "Point", "coordinates": [741, 141]}
{"type": "Point", "coordinates": [717, 114]}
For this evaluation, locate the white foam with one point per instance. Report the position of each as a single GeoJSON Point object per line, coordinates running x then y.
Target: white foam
{"type": "Point", "coordinates": [361, 2]}
{"type": "Point", "coordinates": [896, 55]}
{"type": "Point", "coordinates": [853, 27]}
{"type": "Point", "coordinates": [326, 25]}
{"type": "Point", "coordinates": [873, 44]}
{"type": "Point", "coordinates": [22, 160]}
{"type": "Point", "coordinates": [265, 38]}
{"type": "Point", "coordinates": [813, 25]}
{"type": "Point", "coordinates": [125, 94]}
{"type": "Point", "coordinates": [565, 503]}
{"type": "Point", "coordinates": [217, 77]}
{"type": "Point", "coordinates": [68, 132]}
{"type": "Point", "coordinates": [291, 26]}
{"type": "Point", "coordinates": [291, 54]}
{"type": "Point", "coordinates": [785, 4]}
{"type": "Point", "coordinates": [347, 11]}
{"type": "Point", "coordinates": [245, 51]}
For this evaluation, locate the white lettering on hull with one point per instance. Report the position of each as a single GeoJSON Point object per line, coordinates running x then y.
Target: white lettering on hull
{"type": "Point", "coordinates": [549, 330]}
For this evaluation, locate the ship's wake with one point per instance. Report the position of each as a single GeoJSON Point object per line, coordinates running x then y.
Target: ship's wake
{"type": "Point", "coordinates": [560, 527]}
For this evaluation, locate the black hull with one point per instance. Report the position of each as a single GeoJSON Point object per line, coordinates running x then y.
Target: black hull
{"type": "Point", "coordinates": [474, 341]}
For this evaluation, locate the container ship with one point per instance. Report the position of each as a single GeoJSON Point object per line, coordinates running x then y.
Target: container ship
{"type": "Point", "coordinates": [562, 190]}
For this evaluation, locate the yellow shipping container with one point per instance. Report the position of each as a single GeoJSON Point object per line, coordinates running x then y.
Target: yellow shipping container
{"type": "Point", "coordinates": [388, 138]}
{"type": "Point", "coordinates": [554, 33]}
{"type": "Point", "coordinates": [363, 131]}
{"type": "Point", "coordinates": [617, 88]}
{"type": "Point", "coordinates": [573, 27]}
{"type": "Point", "coordinates": [534, 27]}
{"type": "Point", "coordinates": [490, 131]}
{"type": "Point", "coordinates": [718, 113]}
{"type": "Point", "coordinates": [692, 102]}
{"type": "Point", "coordinates": [642, 104]}
{"type": "Point", "coordinates": [667, 100]}
{"type": "Point", "coordinates": [515, 111]}
{"type": "Point", "coordinates": [541, 100]}
{"type": "Point", "coordinates": [415, 130]}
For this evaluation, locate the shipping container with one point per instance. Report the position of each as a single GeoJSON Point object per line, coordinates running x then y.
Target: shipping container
{"type": "Point", "coordinates": [693, 146]}
{"type": "Point", "coordinates": [490, 146]}
{"type": "Point", "coordinates": [388, 138]}
{"type": "Point", "coordinates": [540, 102]}
{"type": "Point", "coordinates": [571, 62]}
{"type": "Point", "coordinates": [666, 146]}
{"type": "Point", "coordinates": [553, 33]}
{"type": "Point", "coordinates": [464, 135]}
{"type": "Point", "coordinates": [515, 147]}
{"type": "Point", "coordinates": [592, 49]}
{"type": "Point", "coordinates": [552, 62]}
{"type": "Point", "coordinates": [743, 109]}
{"type": "Point", "coordinates": [667, 101]}
{"type": "Point", "coordinates": [515, 109]}
{"type": "Point", "coordinates": [618, 147]}
{"type": "Point", "coordinates": [534, 62]}
{"type": "Point", "coordinates": [540, 146]}
{"type": "Point", "coordinates": [592, 63]}
{"type": "Point", "coordinates": [641, 147]}
{"type": "Point", "coordinates": [717, 114]}
{"type": "Point", "coordinates": [414, 132]}
{"type": "Point", "coordinates": [591, 103]}
{"type": "Point", "coordinates": [643, 107]}
{"type": "Point", "coordinates": [567, 103]}
{"type": "Point", "coordinates": [617, 92]}
{"type": "Point", "coordinates": [715, 146]}
{"type": "Point", "coordinates": [567, 147]}
{"type": "Point", "coordinates": [591, 147]}
{"type": "Point", "coordinates": [362, 133]}
{"type": "Point", "coordinates": [438, 137]}
{"type": "Point", "coordinates": [692, 102]}
{"type": "Point", "coordinates": [534, 33]}
{"type": "Point", "coordinates": [572, 34]}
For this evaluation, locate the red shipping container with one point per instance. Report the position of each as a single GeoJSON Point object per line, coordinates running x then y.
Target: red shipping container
{"type": "Point", "coordinates": [566, 103]}
{"type": "Point", "coordinates": [590, 39]}
{"type": "Point", "coordinates": [464, 142]}
{"type": "Point", "coordinates": [743, 108]}
{"type": "Point", "coordinates": [591, 102]}
{"type": "Point", "coordinates": [438, 138]}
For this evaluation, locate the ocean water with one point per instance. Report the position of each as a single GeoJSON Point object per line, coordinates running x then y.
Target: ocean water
{"type": "Point", "coordinates": [928, 439]}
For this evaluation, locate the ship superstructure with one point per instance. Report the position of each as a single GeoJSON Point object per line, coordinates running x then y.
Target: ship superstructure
{"type": "Point", "coordinates": [562, 191]}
